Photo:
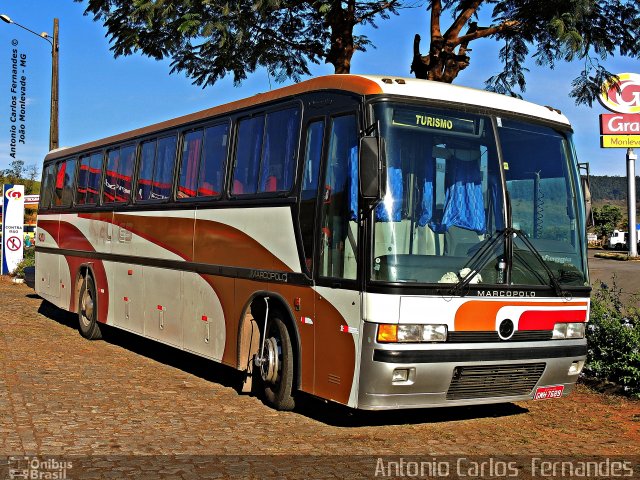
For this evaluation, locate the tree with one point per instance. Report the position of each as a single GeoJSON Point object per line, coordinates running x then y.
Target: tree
{"type": "Point", "coordinates": [556, 30]}
{"type": "Point", "coordinates": [13, 174]}
{"type": "Point", "coordinates": [208, 39]}
{"type": "Point", "coordinates": [606, 219]}
{"type": "Point", "coordinates": [30, 184]}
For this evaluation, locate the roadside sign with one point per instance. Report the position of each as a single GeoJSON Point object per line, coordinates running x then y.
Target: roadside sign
{"type": "Point", "coordinates": [620, 141]}
{"type": "Point", "coordinates": [619, 124]}
{"type": "Point", "coordinates": [622, 96]}
{"type": "Point", "coordinates": [31, 200]}
{"type": "Point", "coordinates": [622, 129]}
{"type": "Point", "coordinates": [14, 244]}
{"type": "Point", "coordinates": [12, 227]}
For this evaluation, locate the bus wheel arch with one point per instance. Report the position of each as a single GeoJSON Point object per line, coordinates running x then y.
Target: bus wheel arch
{"type": "Point", "coordinates": [283, 337]}
{"type": "Point", "coordinates": [87, 305]}
{"type": "Point", "coordinates": [82, 272]}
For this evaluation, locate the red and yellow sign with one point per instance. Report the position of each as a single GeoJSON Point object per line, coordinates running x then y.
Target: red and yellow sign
{"type": "Point", "coordinates": [621, 129]}
{"type": "Point", "coordinates": [622, 96]}
{"type": "Point", "coordinates": [620, 141]}
{"type": "Point", "coordinates": [619, 124]}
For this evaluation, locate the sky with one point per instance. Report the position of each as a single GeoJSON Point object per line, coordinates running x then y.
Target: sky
{"type": "Point", "coordinates": [101, 96]}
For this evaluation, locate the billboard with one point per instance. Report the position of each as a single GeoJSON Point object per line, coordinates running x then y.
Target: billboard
{"type": "Point", "coordinates": [621, 129]}
{"type": "Point", "coordinates": [12, 227]}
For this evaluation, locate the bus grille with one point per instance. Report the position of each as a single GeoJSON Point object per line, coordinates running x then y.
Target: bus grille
{"type": "Point", "coordinates": [490, 337]}
{"type": "Point", "coordinates": [488, 381]}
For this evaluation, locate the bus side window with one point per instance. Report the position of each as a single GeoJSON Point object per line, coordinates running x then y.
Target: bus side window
{"type": "Point", "coordinates": [278, 158]}
{"type": "Point", "coordinates": [214, 157]}
{"type": "Point", "coordinates": [309, 190]}
{"type": "Point", "coordinates": [111, 176]}
{"type": "Point", "coordinates": [147, 157]}
{"type": "Point", "coordinates": [163, 168]}
{"type": "Point", "coordinates": [83, 180]}
{"type": "Point", "coordinates": [125, 173]}
{"type": "Point", "coordinates": [190, 162]}
{"type": "Point", "coordinates": [338, 250]}
{"type": "Point", "coordinates": [48, 180]}
{"type": "Point", "coordinates": [93, 182]}
{"type": "Point", "coordinates": [65, 183]}
{"type": "Point", "coordinates": [248, 153]}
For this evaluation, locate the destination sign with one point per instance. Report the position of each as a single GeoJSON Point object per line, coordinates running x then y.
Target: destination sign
{"type": "Point", "coordinates": [620, 141]}
{"type": "Point", "coordinates": [432, 121]}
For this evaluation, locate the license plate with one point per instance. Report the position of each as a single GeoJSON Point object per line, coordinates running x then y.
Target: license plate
{"type": "Point", "coordinates": [547, 393]}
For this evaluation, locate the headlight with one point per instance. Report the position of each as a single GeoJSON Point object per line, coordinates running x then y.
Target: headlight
{"type": "Point", "coordinates": [411, 333]}
{"type": "Point", "coordinates": [568, 330]}
{"type": "Point", "coordinates": [575, 330]}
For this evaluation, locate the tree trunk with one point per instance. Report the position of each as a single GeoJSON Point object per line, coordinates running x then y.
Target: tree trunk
{"type": "Point", "coordinates": [442, 64]}
{"type": "Point", "coordinates": [341, 22]}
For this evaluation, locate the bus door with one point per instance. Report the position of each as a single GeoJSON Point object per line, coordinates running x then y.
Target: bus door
{"type": "Point", "coordinates": [338, 299]}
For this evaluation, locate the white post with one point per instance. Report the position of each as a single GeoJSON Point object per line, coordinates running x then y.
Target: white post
{"type": "Point", "coordinates": [631, 202]}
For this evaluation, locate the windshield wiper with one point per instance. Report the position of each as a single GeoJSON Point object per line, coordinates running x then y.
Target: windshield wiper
{"type": "Point", "coordinates": [479, 260]}
{"type": "Point", "coordinates": [554, 281]}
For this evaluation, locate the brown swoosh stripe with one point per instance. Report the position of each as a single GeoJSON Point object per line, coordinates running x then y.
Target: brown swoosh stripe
{"type": "Point", "coordinates": [71, 237]}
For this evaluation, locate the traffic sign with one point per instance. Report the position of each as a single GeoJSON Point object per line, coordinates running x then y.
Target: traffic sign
{"type": "Point", "coordinates": [14, 244]}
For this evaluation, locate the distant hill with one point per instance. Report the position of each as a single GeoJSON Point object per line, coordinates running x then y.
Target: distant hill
{"type": "Point", "coordinates": [614, 189]}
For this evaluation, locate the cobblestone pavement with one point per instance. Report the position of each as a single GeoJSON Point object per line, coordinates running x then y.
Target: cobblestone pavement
{"type": "Point", "coordinates": [63, 395]}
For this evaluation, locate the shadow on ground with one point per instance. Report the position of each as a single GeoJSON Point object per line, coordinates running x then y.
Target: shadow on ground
{"type": "Point", "coordinates": [319, 410]}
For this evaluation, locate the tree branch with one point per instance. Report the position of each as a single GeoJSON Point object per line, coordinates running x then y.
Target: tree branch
{"type": "Point", "coordinates": [487, 32]}
{"type": "Point", "coordinates": [436, 12]}
{"type": "Point", "coordinates": [382, 7]}
{"type": "Point", "coordinates": [463, 18]}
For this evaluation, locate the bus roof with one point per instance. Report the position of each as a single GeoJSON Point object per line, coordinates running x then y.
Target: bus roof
{"type": "Point", "coordinates": [359, 84]}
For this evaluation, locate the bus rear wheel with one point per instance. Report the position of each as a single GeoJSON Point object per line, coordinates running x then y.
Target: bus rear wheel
{"type": "Point", "coordinates": [276, 369]}
{"type": "Point", "coordinates": [87, 311]}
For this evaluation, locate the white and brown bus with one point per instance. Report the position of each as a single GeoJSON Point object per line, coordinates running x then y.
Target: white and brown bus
{"type": "Point", "coordinates": [378, 242]}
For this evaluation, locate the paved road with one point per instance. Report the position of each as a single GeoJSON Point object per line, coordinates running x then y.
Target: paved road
{"type": "Point", "coordinates": [624, 275]}
{"type": "Point", "coordinates": [126, 397]}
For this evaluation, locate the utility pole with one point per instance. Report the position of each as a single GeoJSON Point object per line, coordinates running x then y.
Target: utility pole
{"type": "Point", "coordinates": [53, 121]}
{"type": "Point", "coordinates": [631, 202]}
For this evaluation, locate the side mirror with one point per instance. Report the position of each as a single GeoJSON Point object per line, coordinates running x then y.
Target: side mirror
{"type": "Point", "coordinates": [586, 192]}
{"type": "Point", "coordinates": [372, 169]}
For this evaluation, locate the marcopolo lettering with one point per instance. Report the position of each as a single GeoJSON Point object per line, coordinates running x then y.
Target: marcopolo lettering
{"type": "Point", "coordinates": [268, 276]}
{"type": "Point", "coordinates": [506, 293]}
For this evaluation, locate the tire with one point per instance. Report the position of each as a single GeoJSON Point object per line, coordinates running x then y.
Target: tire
{"type": "Point", "coordinates": [278, 382]}
{"type": "Point", "coordinates": [87, 312]}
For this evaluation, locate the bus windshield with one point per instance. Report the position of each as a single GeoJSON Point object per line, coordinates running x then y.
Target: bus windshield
{"type": "Point", "coordinates": [445, 202]}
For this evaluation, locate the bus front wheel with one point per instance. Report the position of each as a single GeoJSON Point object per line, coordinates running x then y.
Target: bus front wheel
{"type": "Point", "coordinates": [87, 310]}
{"type": "Point", "coordinates": [276, 369]}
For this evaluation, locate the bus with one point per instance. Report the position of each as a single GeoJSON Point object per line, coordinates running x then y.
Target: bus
{"type": "Point", "coordinates": [377, 242]}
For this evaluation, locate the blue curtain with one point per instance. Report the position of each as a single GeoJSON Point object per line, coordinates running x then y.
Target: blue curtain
{"type": "Point", "coordinates": [353, 183]}
{"type": "Point", "coordinates": [463, 203]}
{"type": "Point", "coordinates": [426, 206]}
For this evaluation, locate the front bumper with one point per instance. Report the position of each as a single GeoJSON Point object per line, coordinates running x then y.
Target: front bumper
{"type": "Point", "coordinates": [448, 374]}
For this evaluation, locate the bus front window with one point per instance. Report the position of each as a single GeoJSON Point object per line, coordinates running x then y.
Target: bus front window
{"type": "Point", "coordinates": [444, 195]}
{"type": "Point", "coordinates": [541, 180]}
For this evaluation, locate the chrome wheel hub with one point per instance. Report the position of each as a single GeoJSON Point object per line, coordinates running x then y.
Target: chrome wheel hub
{"type": "Point", "coordinates": [87, 309]}
{"type": "Point", "coordinates": [270, 365]}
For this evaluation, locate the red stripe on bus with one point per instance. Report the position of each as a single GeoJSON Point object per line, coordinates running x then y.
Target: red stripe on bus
{"type": "Point", "coordinates": [546, 320]}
